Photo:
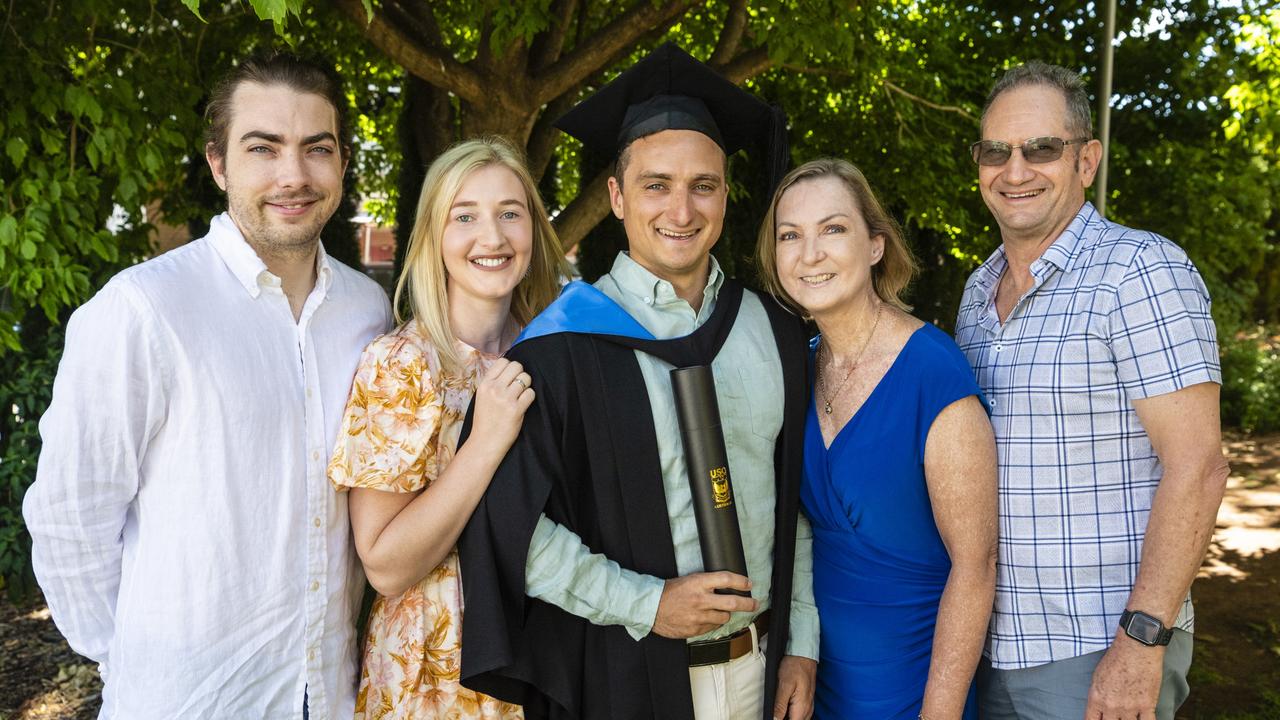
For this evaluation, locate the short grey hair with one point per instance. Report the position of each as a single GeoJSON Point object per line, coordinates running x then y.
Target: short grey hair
{"type": "Point", "coordinates": [1068, 82]}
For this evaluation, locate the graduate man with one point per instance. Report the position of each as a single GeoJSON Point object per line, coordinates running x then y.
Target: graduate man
{"type": "Point", "coordinates": [584, 579]}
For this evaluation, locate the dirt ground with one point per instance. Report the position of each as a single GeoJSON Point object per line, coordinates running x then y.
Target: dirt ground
{"type": "Point", "coordinates": [1235, 675]}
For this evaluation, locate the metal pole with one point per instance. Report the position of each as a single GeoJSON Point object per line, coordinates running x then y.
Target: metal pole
{"type": "Point", "coordinates": [1104, 105]}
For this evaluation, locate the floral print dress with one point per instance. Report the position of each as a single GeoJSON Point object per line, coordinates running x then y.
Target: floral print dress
{"type": "Point", "coordinates": [398, 434]}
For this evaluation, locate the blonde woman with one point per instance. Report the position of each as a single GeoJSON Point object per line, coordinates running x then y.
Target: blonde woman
{"type": "Point", "coordinates": [482, 261]}
{"type": "Point", "coordinates": [899, 461]}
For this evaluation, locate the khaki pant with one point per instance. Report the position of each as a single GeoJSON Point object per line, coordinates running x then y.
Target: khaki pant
{"type": "Point", "coordinates": [733, 690]}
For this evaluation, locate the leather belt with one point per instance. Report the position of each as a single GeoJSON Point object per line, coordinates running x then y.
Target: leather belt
{"type": "Point", "coordinates": [721, 650]}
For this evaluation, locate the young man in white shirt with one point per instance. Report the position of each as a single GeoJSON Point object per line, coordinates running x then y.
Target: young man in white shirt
{"type": "Point", "coordinates": [183, 530]}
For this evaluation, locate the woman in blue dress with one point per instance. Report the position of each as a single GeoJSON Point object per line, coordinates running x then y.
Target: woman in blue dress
{"type": "Point", "coordinates": [900, 468]}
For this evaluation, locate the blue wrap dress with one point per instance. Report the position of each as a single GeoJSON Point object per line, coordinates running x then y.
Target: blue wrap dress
{"type": "Point", "coordinates": [879, 564]}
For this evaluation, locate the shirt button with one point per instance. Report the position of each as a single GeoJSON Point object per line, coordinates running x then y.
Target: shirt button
{"type": "Point", "coordinates": [315, 585]}
{"type": "Point", "coordinates": [315, 454]}
{"type": "Point", "coordinates": [308, 392]}
{"type": "Point", "coordinates": [311, 655]}
{"type": "Point", "coordinates": [316, 522]}
{"type": "Point", "coordinates": [999, 347]}
{"type": "Point", "coordinates": [648, 300]}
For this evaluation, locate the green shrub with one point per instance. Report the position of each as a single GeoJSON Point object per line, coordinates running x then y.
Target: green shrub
{"type": "Point", "coordinates": [26, 386]}
{"type": "Point", "coordinates": [1251, 379]}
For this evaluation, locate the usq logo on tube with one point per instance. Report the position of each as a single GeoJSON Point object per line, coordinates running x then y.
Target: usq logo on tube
{"type": "Point", "coordinates": [720, 487]}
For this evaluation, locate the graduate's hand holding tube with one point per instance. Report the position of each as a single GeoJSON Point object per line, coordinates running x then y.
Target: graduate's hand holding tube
{"type": "Point", "coordinates": [502, 398]}
{"type": "Point", "coordinates": [690, 605]}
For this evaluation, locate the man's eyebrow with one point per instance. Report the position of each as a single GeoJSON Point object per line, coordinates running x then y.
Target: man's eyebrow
{"type": "Point", "coordinates": [319, 137]}
{"type": "Point", "coordinates": [262, 135]}
{"type": "Point", "coordinates": [279, 140]}
{"type": "Point", "coordinates": [700, 177]}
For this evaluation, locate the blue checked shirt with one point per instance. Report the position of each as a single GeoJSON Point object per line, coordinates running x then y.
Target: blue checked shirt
{"type": "Point", "coordinates": [1115, 315]}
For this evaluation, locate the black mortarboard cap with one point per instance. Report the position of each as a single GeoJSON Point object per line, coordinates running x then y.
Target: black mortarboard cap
{"type": "Point", "coordinates": [670, 90]}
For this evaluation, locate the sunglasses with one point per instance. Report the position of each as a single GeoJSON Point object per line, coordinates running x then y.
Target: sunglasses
{"type": "Point", "coordinates": [1037, 151]}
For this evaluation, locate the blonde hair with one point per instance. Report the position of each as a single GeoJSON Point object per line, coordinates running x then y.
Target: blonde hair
{"type": "Point", "coordinates": [422, 286]}
{"type": "Point", "coordinates": [897, 266]}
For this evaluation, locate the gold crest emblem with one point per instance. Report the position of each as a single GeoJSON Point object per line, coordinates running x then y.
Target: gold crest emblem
{"type": "Point", "coordinates": [720, 487]}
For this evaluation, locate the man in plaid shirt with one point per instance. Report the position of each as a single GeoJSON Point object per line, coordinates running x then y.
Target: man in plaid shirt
{"type": "Point", "coordinates": [1095, 348]}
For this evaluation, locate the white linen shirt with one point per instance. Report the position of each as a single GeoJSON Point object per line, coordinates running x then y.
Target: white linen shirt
{"type": "Point", "coordinates": [184, 533]}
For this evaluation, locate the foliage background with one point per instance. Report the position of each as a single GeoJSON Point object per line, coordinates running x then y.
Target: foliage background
{"type": "Point", "coordinates": [102, 106]}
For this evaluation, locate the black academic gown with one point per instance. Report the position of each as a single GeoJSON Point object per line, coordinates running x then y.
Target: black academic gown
{"type": "Point", "coordinates": [587, 456]}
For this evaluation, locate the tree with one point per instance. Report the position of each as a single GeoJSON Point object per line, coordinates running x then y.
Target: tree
{"type": "Point", "coordinates": [102, 119]}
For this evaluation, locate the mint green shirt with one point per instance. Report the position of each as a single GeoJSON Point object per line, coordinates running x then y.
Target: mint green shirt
{"type": "Point", "coordinates": [562, 571]}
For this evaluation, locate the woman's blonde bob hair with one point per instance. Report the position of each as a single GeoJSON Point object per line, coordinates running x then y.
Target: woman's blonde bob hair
{"type": "Point", "coordinates": [897, 266]}
{"type": "Point", "coordinates": [422, 289]}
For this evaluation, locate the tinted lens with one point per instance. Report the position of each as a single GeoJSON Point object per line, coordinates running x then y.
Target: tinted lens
{"type": "Point", "coordinates": [1042, 149]}
{"type": "Point", "coordinates": [991, 152]}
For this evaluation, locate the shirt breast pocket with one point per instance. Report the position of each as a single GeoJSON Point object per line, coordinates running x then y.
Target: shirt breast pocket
{"type": "Point", "coordinates": [756, 392]}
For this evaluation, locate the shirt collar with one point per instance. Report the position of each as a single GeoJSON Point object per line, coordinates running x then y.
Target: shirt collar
{"type": "Point", "coordinates": [1062, 254]}
{"type": "Point", "coordinates": [248, 268]}
{"type": "Point", "coordinates": [1064, 251]}
{"type": "Point", "coordinates": [634, 279]}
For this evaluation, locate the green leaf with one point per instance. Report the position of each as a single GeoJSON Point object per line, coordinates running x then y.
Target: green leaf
{"type": "Point", "coordinates": [194, 7]}
{"type": "Point", "coordinates": [8, 230]}
{"type": "Point", "coordinates": [368, 11]}
{"type": "Point", "coordinates": [27, 249]}
{"type": "Point", "coordinates": [273, 10]}
{"type": "Point", "coordinates": [16, 149]}
{"type": "Point", "coordinates": [127, 188]}
{"type": "Point", "coordinates": [92, 108]}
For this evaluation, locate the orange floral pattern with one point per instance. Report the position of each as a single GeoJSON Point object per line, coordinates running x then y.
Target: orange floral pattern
{"type": "Point", "coordinates": [399, 432]}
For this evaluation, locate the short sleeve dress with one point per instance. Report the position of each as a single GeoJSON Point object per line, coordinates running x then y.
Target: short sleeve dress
{"type": "Point", "coordinates": [879, 564]}
{"type": "Point", "coordinates": [399, 432]}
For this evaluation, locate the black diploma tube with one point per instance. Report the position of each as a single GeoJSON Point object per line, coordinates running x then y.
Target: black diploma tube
{"type": "Point", "coordinates": [708, 466]}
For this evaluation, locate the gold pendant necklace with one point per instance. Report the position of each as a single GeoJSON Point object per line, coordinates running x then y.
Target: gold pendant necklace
{"type": "Point", "coordinates": [822, 381]}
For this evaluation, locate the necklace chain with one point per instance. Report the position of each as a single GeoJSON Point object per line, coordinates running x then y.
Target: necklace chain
{"type": "Point", "coordinates": [822, 381]}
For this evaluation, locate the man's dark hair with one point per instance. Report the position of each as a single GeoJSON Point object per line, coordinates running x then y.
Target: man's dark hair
{"type": "Point", "coordinates": [275, 67]}
{"type": "Point", "coordinates": [1036, 72]}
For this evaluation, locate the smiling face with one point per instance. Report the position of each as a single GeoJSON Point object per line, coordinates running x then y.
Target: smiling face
{"type": "Point", "coordinates": [1034, 203]}
{"type": "Point", "coordinates": [824, 250]}
{"type": "Point", "coordinates": [672, 204]}
{"type": "Point", "coordinates": [488, 238]}
{"type": "Point", "coordinates": [282, 171]}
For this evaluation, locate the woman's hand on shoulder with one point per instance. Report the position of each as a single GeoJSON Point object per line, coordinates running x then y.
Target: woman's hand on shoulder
{"type": "Point", "coordinates": [502, 397]}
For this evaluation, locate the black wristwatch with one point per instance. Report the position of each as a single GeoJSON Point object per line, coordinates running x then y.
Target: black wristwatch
{"type": "Point", "coordinates": [1145, 628]}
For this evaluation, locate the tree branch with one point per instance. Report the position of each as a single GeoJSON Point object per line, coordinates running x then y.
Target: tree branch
{"type": "Point", "coordinates": [585, 212]}
{"type": "Point", "coordinates": [419, 21]}
{"type": "Point", "coordinates": [435, 67]}
{"type": "Point", "coordinates": [548, 45]}
{"type": "Point", "coordinates": [544, 135]}
{"type": "Point", "coordinates": [735, 23]}
{"type": "Point", "coordinates": [747, 65]}
{"type": "Point", "coordinates": [916, 98]}
{"type": "Point", "coordinates": [484, 54]}
{"type": "Point", "coordinates": [586, 59]}
{"type": "Point", "coordinates": [888, 85]}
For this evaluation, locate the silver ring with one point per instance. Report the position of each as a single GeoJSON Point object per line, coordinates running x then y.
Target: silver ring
{"type": "Point", "coordinates": [523, 384]}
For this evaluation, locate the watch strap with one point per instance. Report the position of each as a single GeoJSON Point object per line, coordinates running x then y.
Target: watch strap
{"type": "Point", "coordinates": [1163, 635]}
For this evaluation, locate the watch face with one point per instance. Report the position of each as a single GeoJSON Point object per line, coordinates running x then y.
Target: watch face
{"type": "Point", "coordinates": [1144, 629]}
